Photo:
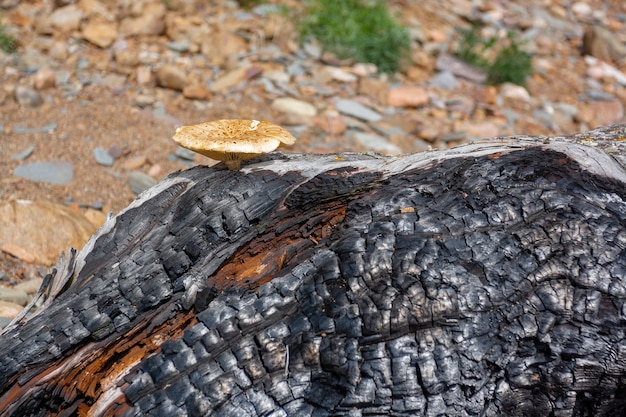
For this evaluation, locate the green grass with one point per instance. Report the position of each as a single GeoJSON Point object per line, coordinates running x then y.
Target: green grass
{"type": "Point", "coordinates": [248, 4]}
{"type": "Point", "coordinates": [509, 63]}
{"type": "Point", "coordinates": [7, 43]}
{"type": "Point", "coordinates": [362, 30]}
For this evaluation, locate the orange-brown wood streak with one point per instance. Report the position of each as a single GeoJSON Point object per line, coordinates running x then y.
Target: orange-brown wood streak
{"type": "Point", "coordinates": [101, 365]}
{"type": "Point", "coordinates": [260, 260]}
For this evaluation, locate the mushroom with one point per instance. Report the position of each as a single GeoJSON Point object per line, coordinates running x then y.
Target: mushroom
{"type": "Point", "coordinates": [234, 140]}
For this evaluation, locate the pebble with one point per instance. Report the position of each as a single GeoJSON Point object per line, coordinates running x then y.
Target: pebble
{"type": "Point", "coordinates": [27, 96]}
{"type": "Point", "coordinates": [294, 106]}
{"type": "Point", "coordinates": [101, 34]}
{"type": "Point", "coordinates": [135, 162]}
{"type": "Point", "coordinates": [29, 287]}
{"type": "Point", "coordinates": [459, 68]}
{"type": "Point", "coordinates": [20, 156]}
{"type": "Point", "coordinates": [376, 143]}
{"type": "Point", "coordinates": [514, 92]}
{"type": "Point", "coordinates": [184, 153]}
{"type": "Point", "coordinates": [115, 151]}
{"type": "Point", "coordinates": [95, 217]}
{"type": "Point", "coordinates": [31, 230]}
{"type": "Point", "coordinates": [358, 110]}
{"type": "Point", "coordinates": [408, 96]}
{"type": "Point", "coordinates": [65, 19]}
{"type": "Point", "coordinates": [444, 80]}
{"type": "Point", "coordinates": [48, 128]}
{"type": "Point", "coordinates": [147, 18]}
{"type": "Point", "coordinates": [229, 80]}
{"type": "Point", "coordinates": [139, 182]}
{"type": "Point", "coordinates": [481, 130]}
{"type": "Point", "coordinates": [45, 78]}
{"type": "Point", "coordinates": [334, 125]}
{"type": "Point", "coordinates": [103, 157]}
{"type": "Point", "coordinates": [171, 76]}
{"type": "Point", "coordinates": [197, 92]}
{"type": "Point", "coordinates": [12, 295]}
{"type": "Point", "coordinates": [8, 311]}
{"type": "Point", "coordinates": [54, 172]}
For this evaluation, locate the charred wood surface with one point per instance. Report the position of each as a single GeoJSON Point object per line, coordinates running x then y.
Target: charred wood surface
{"type": "Point", "coordinates": [482, 281]}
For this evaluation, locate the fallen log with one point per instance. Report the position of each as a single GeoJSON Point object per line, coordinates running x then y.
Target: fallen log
{"type": "Point", "coordinates": [486, 280]}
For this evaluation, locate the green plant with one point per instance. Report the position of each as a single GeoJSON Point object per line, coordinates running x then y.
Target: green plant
{"type": "Point", "coordinates": [7, 43]}
{"type": "Point", "coordinates": [248, 4]}
{"type": "Point", "coordinates": [362, 30]}
{"type": "Point", "coordinates": [509, 63]}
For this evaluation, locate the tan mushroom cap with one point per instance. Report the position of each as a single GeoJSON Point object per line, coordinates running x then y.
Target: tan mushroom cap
{"type": "Point", "coordinates": [233, 140]}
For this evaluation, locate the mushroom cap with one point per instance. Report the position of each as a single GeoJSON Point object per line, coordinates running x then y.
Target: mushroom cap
{"type": "Point", "coordinates": [233, 139]}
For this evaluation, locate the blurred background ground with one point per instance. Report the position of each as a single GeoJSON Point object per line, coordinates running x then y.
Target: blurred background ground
{"type": "Point", "coordinates": [95, 89]}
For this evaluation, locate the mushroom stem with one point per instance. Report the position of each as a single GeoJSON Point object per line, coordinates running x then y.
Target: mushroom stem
{"type": "Point", "coordinates": [233, 164]}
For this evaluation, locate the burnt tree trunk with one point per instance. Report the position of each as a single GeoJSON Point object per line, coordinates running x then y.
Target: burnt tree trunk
{"type": "Point", "coordinates": [482, 281]}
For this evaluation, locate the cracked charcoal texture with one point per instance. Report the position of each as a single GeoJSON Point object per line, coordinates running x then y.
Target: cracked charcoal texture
{"type": "Point", "coordinates": [483, 281]}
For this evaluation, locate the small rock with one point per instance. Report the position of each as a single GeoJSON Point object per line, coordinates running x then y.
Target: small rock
{"type": "Point", "coordinates": [66, 19]}
{"type": "Point", "coordinates": [180, 46]}
{"type": "Point", "coordinates": [197, 92]}
{"type": "Point", "coordinates": [407, 96]}
{"type": "Point", "coordinates": [601, 43]}
{"type": "Point", "coordinates": [444, 80]}
{"type": "Point", "coordinates": [228, 80]}
{"type": "Point", "coordinates": [54, 172]}
{"type": "Point", "coordinates": [45, 78]}
{"type": "Point", "coordinates": [481, 130]}
{"type": "Point", "coordinates": [339, 74]}
{"type": "Point", "coordinates": [49, 128]}
{"type": "Point", "coordinates": [364, 70]}
{"type": "Point", "coordinates": [581, 10]}
{"type": "Point", "coordinates": [221, 45]}
{"type": "Point", "coordinates": [171, 76]}
{"type": "Point", "coordinates": [18, 252]}
{"type": "Point", "coordinates": [29, 287]}
{"type": "Point", "coordinates": [294, 106]}
{"type": "Point", "coordinates": [144, 100]}
{"type": "Point", "coordinates": [12, 295]}
{"type": "Point", "coordinates": [150, 20]}
{"type": "Point", "coordinates": [135, 162]}
{"type": "Point", "coordinates": [101, 34]}
{"type": "Point", "coordinates": [358, 110]}
{"type": "Point", "coordinates": [374, 88]}
{"type": "Point", "coordinates": [138, 181]}
{"type": "Point", "coordinates": [185, 154]}
{"type": "Point", "coordinates": [42, 229]}
{"type": "Point", "coordinates": [103, 157]}
{"type": "Point", "coordinates": [115, 82]}
{"type": "Point", "coordinates": [143, 75]}
{"type": "Point", "coordinates": [514, 92]}
{"type": "Point", "coordinates": [20, 156]}
{"type": "Point", "coordinates": [9, 311]}
{"type": "Point", "coordinates": [155, 170]}
{"type": "Point", "coordinates": [95, 217]}
{"type": "Point", "coordinates": [114, 151]}
{"type": "Point", "coordinates": [460, 68]}
{"type": "Point", "coordinates": [58, 51]}
{"type": "Point", "coordinates": [334, 125]}
{"type": "Point", "coordinates": [601, 113]}
{"type": "Point", "coordinates": [126, 57]}
{"type": "Point", "coordinates": [608, 71]}
{"type": "Point", "coordinates": [376, 143]}
{"type": "Point", "coordinates": [27, 96]}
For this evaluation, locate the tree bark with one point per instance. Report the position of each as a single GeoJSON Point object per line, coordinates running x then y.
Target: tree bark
{"type": "Point", "coordinates": [486, 280]}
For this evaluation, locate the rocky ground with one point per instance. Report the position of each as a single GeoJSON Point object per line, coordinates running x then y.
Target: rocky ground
{"type": "Point", "coordinates": [91, 97]}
